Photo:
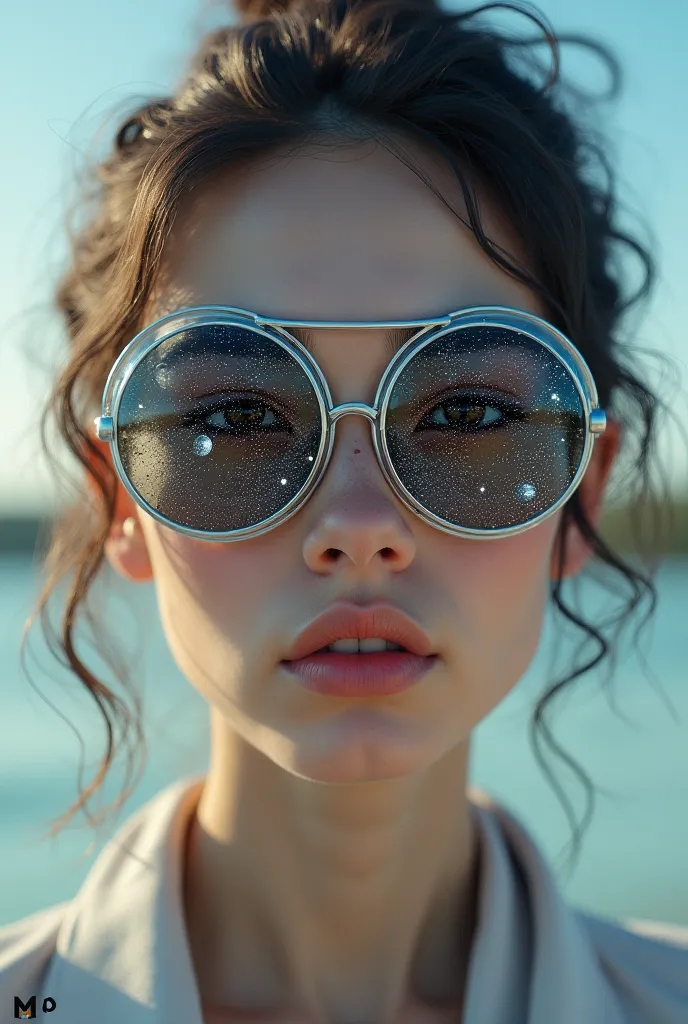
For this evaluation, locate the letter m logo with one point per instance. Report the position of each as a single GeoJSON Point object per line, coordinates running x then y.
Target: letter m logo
{"type": "Point", "coordinates": [24, 1011]}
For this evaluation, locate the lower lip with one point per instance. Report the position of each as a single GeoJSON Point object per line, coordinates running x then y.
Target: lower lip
{"type": "Point", "coordinates": [360, 675]}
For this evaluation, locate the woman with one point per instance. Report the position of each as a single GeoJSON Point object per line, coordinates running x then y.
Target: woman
{"type": "Point", "coordinates": [362, 426]}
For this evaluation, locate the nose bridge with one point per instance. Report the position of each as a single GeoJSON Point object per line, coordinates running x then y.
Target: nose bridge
{"type": "Point", "coordinates": [358, 518]}
{"type": "Point", "coordinates": [369, 412]}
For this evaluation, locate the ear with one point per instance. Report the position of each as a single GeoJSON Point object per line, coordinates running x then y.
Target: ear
{"type": "Point", "coordinates": [591, 496]}
{"type": "Point", "coordinates": [125, 548]}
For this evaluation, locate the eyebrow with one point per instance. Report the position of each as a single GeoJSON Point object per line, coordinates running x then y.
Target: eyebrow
{"type": "Point", "coordinates": [395, 338]}
{"type": "Point", "coordinates": [520, 374]}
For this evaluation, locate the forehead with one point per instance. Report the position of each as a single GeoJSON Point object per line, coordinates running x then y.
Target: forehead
{"type": "Point", "coordinates": [345, 233]}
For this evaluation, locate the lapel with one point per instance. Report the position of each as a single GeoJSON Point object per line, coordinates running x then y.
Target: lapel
{"type": "Point", "coordinates": [122, 953]}
{"type": "Point", "coordinates": [532, 960]}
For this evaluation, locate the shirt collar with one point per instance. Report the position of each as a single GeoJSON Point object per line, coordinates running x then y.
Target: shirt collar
{"type": "Point", "coordinates": [122, 952]}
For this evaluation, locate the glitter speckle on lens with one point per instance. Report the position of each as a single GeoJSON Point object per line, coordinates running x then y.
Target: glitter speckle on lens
{"type": "Point", "coordinates": [202, 445]}
{"type": "Point", "coordinates": [525, 492]}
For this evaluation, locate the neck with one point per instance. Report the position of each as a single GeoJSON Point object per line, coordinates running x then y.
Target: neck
{"type": "Point", "coordinates": [336, 902]}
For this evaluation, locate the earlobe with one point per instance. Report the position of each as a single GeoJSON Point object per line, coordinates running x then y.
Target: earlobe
{"type": "Point", "coordinates": [591, 496]}
{"type": "Point", "coordinates": [127, 553]}
{"type": "Point", "coordinates": [125, 548]}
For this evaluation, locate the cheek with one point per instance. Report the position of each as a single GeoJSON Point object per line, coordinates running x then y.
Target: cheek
{"type": "Point", "coordinates": [213, 593]}
{"type": "Point", "coordinates": [500, 588]}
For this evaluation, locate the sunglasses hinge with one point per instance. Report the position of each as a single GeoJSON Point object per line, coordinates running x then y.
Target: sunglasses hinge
{"type": "Point", "coordinates": [104, 428]}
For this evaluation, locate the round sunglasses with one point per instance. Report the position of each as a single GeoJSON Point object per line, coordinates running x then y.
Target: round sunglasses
{"type": "Point", "coordinates": [221, 423]}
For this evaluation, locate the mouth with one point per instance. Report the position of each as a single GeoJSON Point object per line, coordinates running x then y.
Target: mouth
{"type": "Point", "coordinates": [371, 667]}
{"type": "Point", "coordinates": [372, 645]}
{"type": "Point", "coordinates": [356, 634]}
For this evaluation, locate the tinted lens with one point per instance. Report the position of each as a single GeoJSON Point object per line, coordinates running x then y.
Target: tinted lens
{"type": "Point", "coordinates": [218, 428]}
{"type": "Point", "coordinates": [485, 428]}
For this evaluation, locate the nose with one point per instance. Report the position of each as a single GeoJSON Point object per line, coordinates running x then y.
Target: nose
{"type": "Point", "coordinates": [357, 519]}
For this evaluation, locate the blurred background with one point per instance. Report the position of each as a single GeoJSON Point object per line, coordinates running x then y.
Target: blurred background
{"type": "Point", "coordinates": [70, 73]}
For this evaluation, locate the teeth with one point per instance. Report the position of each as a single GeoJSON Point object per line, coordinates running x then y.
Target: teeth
{"type": "Point", "coordinates": [344, 646]}
{"type": "Point", "coordinates": [370, 646]}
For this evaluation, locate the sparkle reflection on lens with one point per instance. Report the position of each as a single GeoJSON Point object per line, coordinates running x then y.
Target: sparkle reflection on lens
{"type": "Point", "coordinates": [202, 445]}
{"type": "Point", "coordinates": [162, 375]}
{"type": "Point", "coordinates": [525, 492]}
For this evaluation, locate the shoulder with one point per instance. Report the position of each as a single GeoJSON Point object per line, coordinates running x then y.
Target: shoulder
{"type": "Point", "coordinates": [674, 934]}
{"type": "Point", "coordinates": [26, 947]}
{"type": "Point", "coordinates": [634, 937]}
{"type": "Point", "coordinates": [646, 963]}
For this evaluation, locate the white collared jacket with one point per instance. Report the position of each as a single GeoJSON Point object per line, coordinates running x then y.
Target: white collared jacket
{"type": "Point", "coordinates": [117, 953]}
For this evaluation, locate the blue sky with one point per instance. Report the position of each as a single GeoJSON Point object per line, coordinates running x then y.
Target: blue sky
{"type": "Point", "coordinates": [67, 69]}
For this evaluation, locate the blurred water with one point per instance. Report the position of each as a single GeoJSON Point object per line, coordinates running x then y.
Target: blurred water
{"type": "Point", "coordinates": [634, 862]}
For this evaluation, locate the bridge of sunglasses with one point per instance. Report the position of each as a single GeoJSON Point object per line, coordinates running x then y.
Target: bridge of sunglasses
{"type": "Point", "coordinates": [522, 324]}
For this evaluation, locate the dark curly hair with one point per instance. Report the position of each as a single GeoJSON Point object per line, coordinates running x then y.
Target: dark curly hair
{"type": "Point", "coordinates": [293, 71]}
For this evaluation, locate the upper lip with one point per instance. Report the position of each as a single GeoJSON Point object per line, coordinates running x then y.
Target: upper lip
{"type": "Point", "coordinates": [345, 621]}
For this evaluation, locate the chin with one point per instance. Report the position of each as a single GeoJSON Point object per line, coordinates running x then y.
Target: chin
{"type": "Point", "coordinates": [363, 745]}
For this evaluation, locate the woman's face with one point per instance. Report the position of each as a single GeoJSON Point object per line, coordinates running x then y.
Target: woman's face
{"type": "Point", "coordinates": [346, 234]}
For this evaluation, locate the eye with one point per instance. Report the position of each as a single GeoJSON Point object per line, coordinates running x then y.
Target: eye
{"type": "Point", "coordinates": [464, 414]}
{"type": "Point", "coordinates": [238, 416]}
{"type": "Point", "coordinates": [241, 414]}
{"type": "Point", "coordinates": [470, 414]}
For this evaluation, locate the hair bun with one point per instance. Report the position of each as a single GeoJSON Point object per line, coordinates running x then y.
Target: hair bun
{"type": "Point", "coordinates": [255, 10]}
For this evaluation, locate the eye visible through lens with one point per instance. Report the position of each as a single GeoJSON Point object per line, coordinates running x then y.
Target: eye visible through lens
{"type": "Point", "coordinates": [240, 416]}
{"type": "Point", "coordinates": [472, 413]}
{"type": "Point", "coordinates": [218, 428]}
{"type": "Point", "coordinates": [485, 428]}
